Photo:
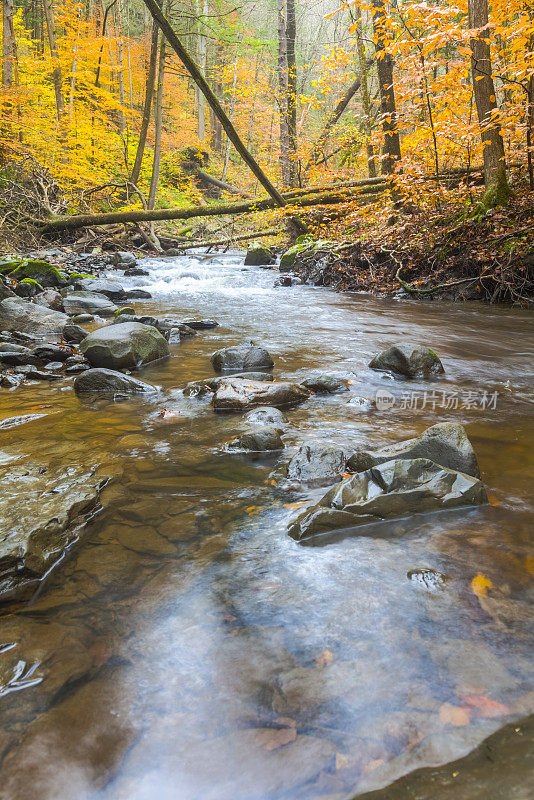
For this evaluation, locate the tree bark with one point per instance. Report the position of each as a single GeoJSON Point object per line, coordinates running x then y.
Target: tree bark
{"type": "Point", "coordinates": [291, 35]}
{"type": "Point", "coordinates": [495, 180]}
{"type": "Point", "coordinates": [283, 90]}
{"type": "Point", "coordinates": [392, 150]}
{"type": "Point", "coordinates": [8, 45]}
{"type": "Point", "coordinates": [56, 75]}
{"type": "Point", "coordinates": [201, 82]}
{"type": "Point", "coordinates": [149, 93]}
{"type": "Point", "coordinates": [158, 125]}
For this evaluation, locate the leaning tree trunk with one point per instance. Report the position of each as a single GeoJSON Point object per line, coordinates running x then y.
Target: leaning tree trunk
{"type": "Point", "coordinates": [392, 151]}
{"type": "Point", "coordinates": [149, 93]}
{"type": "Point", "coordinates": [212, 101]}
{"type": "Point", "coordinates": [497, 189]}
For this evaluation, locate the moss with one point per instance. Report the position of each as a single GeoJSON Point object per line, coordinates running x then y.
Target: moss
{"type": "Point", "coordinates": [8, 266]}
{"type": "Point", "coordinates": [79, 275]}
{"type": "Point", "coordinates": [32, 282]}
{"type": "Point", "coordinates": [433, 354]}
{"type": "Point", "coordinates": [125, 310]}
{"type": "Point", "coordinates": [39, 269]}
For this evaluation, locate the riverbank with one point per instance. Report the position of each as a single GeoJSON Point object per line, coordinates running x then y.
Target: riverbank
{"type": "Point", "coordinates": [185, 638]}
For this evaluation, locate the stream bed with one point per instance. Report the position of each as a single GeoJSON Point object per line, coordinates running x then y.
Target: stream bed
{"type": "Point", "coordinates": [187, 648]}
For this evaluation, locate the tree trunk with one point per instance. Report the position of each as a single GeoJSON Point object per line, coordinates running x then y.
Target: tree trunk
{"type": "Point", "coordinates": [366, 104]}
{"type": "Point", "coordinates": [283, 93]}
{"type": "Point", "coordinates": [158, 124]}
{"type": "Point", "coordinates": [201, 82]}
{"type": "Point", "coordinates": [231, 117]}
{"type": "Point", "coordinates": [291, 34]}
{"type": "Point", "coordinates": [392, 151]}
{"type": "Point", "coordinates": [8, 45]}
{"type": "Point", "coordinates": [497, 189]}
{"type": "Point", "coordinates": [56, 76]}
{"type": "Point", "coordinates": [149, 93]}
{"type": "Point", "coordinates": [215, 125]}
{"type": "Point", "coordinates": [202, 60]}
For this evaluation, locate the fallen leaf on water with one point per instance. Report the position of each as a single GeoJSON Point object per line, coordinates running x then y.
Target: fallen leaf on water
{"type": "Point", "coordinates": [494, 501]}
{"type": "Point", "coordinates": [294, 506]}
{"type": "Point", "coordinates": [480, 585]}
{"type": "Point", "coordinates": [252, 510]}
{"type": "Point", "coordinates": [372, 765]}
{"type": "Point", "coordinates": [485, 707]}
{"type": "Point", "coordinates": [324, 659]}
{"type": "Point", "coordinates": [33, 408]}
{"type": "Point", "coordinates": [454, 715]}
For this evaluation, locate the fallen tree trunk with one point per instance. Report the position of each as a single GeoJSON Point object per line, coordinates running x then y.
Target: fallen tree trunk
{"type": "Point", "coordinates": [158, 215]}
{"type": "Point", "coordinates": [219, 184]}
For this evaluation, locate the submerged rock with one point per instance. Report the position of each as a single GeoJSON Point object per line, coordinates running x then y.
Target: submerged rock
{"type": "Point", "coordinates": [317, 463]}
{"type": "Point", "coordinates": [107, 380]}
{"type": "Point", "coordinates": [89, 303]}
{"type": "Point", "coordinates": [259, 440]}
{"type": "Point", "coordinates": [127, 346]}
{"type": "Point", "coordinates": [39, 518]}
{"type": "Point", "coordinates": [265, 416]}
{"type": "Point", "coordinates": [210, 385]}
{"type": "Point", "coordinates": [244, 357]}
{"type": "Point", "coordinates": [409, 360]}
{"type": "Point", "coordinates": [19, 315]}
{"type": "Point", "coordinates": [201, 324]}
{"type": "Point", "coordinates": [445, 443]}
{"type": "Point", "coordinates": [394, 489]}
{"type": "Point", "coordinates": [326, 384]}
{"type": "Point", "coordinates": [236, 394]}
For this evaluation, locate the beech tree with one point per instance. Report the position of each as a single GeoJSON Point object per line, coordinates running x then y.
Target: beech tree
{"type": "Point", "coordinates": [392, 150]}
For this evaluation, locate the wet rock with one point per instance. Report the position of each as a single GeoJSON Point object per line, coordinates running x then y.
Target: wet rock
{"type": "Point", "coordinates": [53, 366]}
{"type": "Point", "coordinates": [110, 289]}
{"type": "Point", "coordinates": [8, 381]}
{"type": "Point", "coordinates": [265, 439]}
{"type": "Point", "coordinates": [137, 294]}
{"type": "Point", "coordinates": [132, 272]}
{"type": "Point", "coordinates": [445, 443]}
{"type": "Point", "coordinates": [210, 385]}
{"type": "Point", "coordinates": [107, 380]}
{"type": "Point", "coordinates": [258, 255]}
{"type": "Point", "coordinates": [123, 259]}
{"type": "Point", "coordinates": [14, 358]}
{"type": "Point", "coordinates": [40, 272]}
{"type": "Point", "coordinates": [429, 579]}
{"type": "Point", "coordinates": [5, 291]}
{"type": "Point", "coordinates": [28, 288]}
{"type": "Point", "coordinates": [394, 489]}
{"type": "Point", "coordinates": [127, 346]}
{"type": "Point", "coordinates": [19, 315]}
{"type": "Point", "coordinates": [143, 319]}
{"type": "Point", "coordinates": [317, 464]}
{"type": "Point", "coordinates": [89, 303]}
{"type": "Point", "coordinates": [126, 310]}
{"type": "Point", "coordinates": [361, 404]}
{"type": "Point", "coordinates": [409, 361]}
{"type": "Point", "coordinates": [50, 298]}
{"type": "Point", "coordinates": [35, 374]}
{"type": "Point", "coordinates": [41, 510]}
{"type": "Point", "coordinates": [243, 357]}
{"type": "Point", "coordinates": [74, 369]}
{"type": "Point", "coordinates": [51, 352]}
{"type": "Point", "coordinates": [265, 416]}
{"type": "Point", "coordinates": [80, 319]}
{"type": "Point", "coordinates": [236, 394]}
{"type": "Point", "coordinates": [201, 324]}
{"type": "Point", "coordinates": [74, 333]}
{"type": "Point", "coordinates": [288, 280]}
{"type": "Point", "coordinates": [325, 384]}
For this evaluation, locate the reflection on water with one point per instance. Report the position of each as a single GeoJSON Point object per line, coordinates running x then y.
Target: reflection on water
{"type": "Point", "coordinates": [188, 648]}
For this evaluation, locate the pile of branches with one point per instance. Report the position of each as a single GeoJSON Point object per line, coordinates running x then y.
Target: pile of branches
{"type": "Point", "coordinates": [27, 189]}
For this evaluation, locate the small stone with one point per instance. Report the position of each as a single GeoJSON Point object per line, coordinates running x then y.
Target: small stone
{"type": "Point", "coordinates": [265, 439]}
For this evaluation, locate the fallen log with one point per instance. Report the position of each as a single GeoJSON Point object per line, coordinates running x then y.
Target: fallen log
{"type": "Point", "coordinates": [76, 221]}
{"type": "Point", "coordinates": [232, 239]}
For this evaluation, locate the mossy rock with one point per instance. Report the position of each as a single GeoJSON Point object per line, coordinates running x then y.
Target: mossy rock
{"type": "Point", "coordinates": [258, 255]}
{"type": "Point", "coordinates": [41, 271]}
{"type": "Point", "coordinates": [74, 276]}
{"type": "Point", "coordinates": [8, 266]}
{"type": "Point", "coordinates": [125, 310]}
{"type": "Point", "coordinates": [304, 244]}
{"type": "Point", "coordinates": [32, 282]}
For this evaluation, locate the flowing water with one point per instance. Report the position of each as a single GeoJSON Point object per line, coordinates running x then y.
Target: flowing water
{"type": "Point", "coordinates": [188, 648]}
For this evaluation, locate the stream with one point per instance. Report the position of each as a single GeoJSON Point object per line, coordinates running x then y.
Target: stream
{"type": "Point", "coordinates": [188, 649]}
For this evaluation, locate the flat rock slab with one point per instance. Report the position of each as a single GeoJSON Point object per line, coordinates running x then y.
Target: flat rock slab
{"type": "Point", "coordinates": [109, 381]}
{"type": "Point", "coordinates": [110, 289]}
{"type": "Point", "coordinates": [391, 490]}
{"type": "Point", "coordinates": [41, 511]}
{"type": "Point", "coordinates": [20, 315]}
{"type": "Point", "coordinates": [238, 394]}
{"type": "Point", "coordinates": [317, 464]}
{"type": "Point", "coordinates": [89, 303]}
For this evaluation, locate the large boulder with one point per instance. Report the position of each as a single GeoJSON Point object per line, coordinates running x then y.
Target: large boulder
{"type": "Point", "coordinates": [88, 303]}
{"type": "Point", "coordinates": [236, 394]}
{"type": "Point", "coordinates": [40, 271]}
{"type": "Point", "coordinates": [258, 255]}
{"type": "Point", "coordinates": [259, 440]}
{"type": "Point", "coordinates": [445, 443]}
{"type": "Point", "coordinates": [409, 360]}
{"type": "Point", "coordinates": [126, 346]}
{"type": "Point", "coordinates": [19, 315]}
{"type": "Point", "coordinates": [391, 490]}
{"type": "Point", "coordinates": [41, 510]}
{"type": "Point", "coordinates": [111, 289]}
{"type": "Point", "coordinates": [49, 298]}
{"type": "Point", "coordinates": [107, 380]}
{"type": "Point", "coordinates": [244, 357]}
{"type": "Point", "coordinates": [317, 464]}
{"type": "Point", "coordinates": [5, 291]}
